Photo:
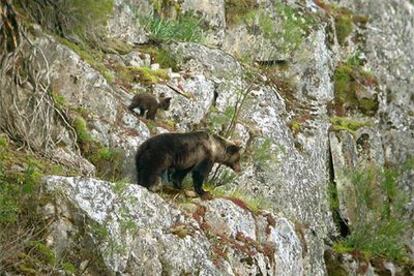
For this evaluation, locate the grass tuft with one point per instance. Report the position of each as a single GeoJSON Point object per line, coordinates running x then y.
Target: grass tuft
{"type": "Point", "coordinates": [187, 28]}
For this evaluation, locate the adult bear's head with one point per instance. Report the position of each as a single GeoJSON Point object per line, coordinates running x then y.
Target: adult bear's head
{"type": "Point", "coordinates": [227, 152]}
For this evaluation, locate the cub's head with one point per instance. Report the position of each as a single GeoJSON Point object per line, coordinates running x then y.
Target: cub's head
{"type": "Point", "coordinates": [164, 102]}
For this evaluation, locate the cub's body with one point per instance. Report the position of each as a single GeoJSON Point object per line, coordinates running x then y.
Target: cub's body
{"type": "Point", "coordinates": [149, 103]}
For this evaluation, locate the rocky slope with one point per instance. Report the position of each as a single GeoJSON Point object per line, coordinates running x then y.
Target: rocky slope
{"type": "Point", "coordinates": [271, 75]}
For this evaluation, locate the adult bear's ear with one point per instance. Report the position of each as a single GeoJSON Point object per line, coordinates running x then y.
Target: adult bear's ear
{"type": "Point", "coordinates": [232, 149]}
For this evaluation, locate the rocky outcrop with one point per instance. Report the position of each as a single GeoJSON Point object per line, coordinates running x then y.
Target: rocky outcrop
{"type": "Point", "coordinates": [292, 150]}
{"type": "Point", "coordinates": [136, 231]}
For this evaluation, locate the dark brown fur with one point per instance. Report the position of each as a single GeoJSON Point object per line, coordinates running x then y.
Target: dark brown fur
{"type": "Point", "coordinates": [148, 102]}
{"type": "Point", "coordinates": [181, 153]}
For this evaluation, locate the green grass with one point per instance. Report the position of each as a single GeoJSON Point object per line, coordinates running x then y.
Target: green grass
{"type": "Point", "coordinates": [187, 28]}
{"type": "Point", "coordinates": [379, 216]}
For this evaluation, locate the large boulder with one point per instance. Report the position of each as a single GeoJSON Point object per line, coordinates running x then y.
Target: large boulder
{"type": "Point", "coordinates": [136, 231]}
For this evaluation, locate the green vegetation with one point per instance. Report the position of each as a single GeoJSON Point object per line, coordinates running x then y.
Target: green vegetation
{"type": "Point", "coordinates": [108, 162]}
{"type": "Point", "coordinates": [58, 100]}
{"type": "Point", "coordinates": [379, 224]}
{"type": "Point", "coordinates": [343, 123]}
{"type": "Point", "coordinates": [185, 28]}
{"type": "Point", "coordinates": [163, 8]}
{"type": "Point", "coordinates": [144, 75]}
{"type": "Point", "coordinates": [350, 79]}
{"type": "Point", "coordinates": [79, 124]}
{"type": "Point", "coordinates": [295, 125]}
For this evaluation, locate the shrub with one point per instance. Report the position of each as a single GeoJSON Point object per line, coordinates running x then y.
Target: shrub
{"type": "Point", "coordinates": [108, 161]}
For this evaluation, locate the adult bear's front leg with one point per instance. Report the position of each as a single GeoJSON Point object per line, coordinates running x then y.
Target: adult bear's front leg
{"type": "Point", "coordinates": [200, 172]}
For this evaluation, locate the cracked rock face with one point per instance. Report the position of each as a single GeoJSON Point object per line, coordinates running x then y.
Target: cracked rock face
{"type": "Point", "coordinates": [146, 235]}
{"type": "Point", "coordinates": [83, 87]}
{"type": "Point", "coordinates": [389, 37]}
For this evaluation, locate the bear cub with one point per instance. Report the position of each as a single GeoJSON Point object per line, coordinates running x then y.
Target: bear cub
{"type": "Point", "coordinates": [149, 103]}
{"type": "Point", "coordinates": [178, 154]}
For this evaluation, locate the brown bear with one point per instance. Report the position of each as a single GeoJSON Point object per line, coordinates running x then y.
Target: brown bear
{"type": "Point", "coordinates": [149, 103]}
{"type": "Point", "coordinates": [176, 154]}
